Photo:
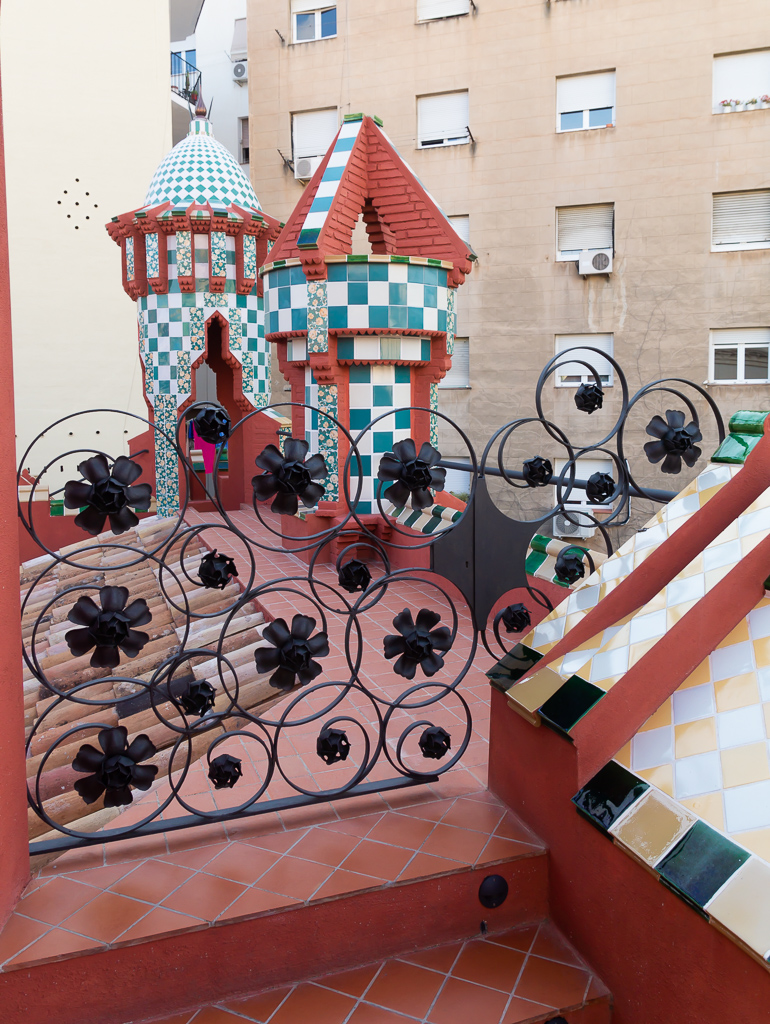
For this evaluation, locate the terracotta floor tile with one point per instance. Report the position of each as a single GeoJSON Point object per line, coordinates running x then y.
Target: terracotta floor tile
{"type": "Point", "coordinates": [325, 847]}
{"type": "Point", "coordinates": [498, 849]}
{"type": "Point", "coordinates": [551, 945]}
{"type": "Point", "coordinates": [259, 1007]}
{"type": "Point", "coordinates": [460, 1002]}
{"type": "Point", "coordinates": [456, 843]}
{"type": "Point", "coordinates": [204, 896]}
{"type": "Point", "coordinates": [430, 810]}
{"type": "Point", "coordinates": [314, 1005]}
{"type": "Point", "coordinates": [490, 965]}
{"type": "Point", "coordinates": [255, 901]}
{"type": "Point", "coordinates": [523, 1010]}
{"type": "Point", "coordinates": [545, 981]}
{"type": "Point", "coordinates": [354, 826]}
{"type": "Point", "coordinates": [241, 862]}
{"type": "Point", "coordinates": [246, 829]}
{"type": "Point", "coordinates": [197, 858]}
{"type": "Point", "coordinates": [57, 900]}
{"type": "Point", "coordinates": [378, 859]}
{"type": "Point", "coordinates": [302, 817]}
{"type": "Point", "coordinates": [160, 922]}
{"type": "Point", "coordinates": [511, 828]}
{"type": "Point", "coordinates": [76, 860]}
{"type": "Point", "coordinates": [215, 1015]}
{"type": "Point", "coordinates": [18, 933]}
{"type": "Point", "coordinates": [141, 848]}
{"type": "Point", "coordinates": [106, 917]}
{"type": "Point", "coordinates": [423, 865]}
{"type": "Point", "coordinates": [366, 1014]}
{"type": "Point", "coordinates": [440, 958]}
{"type": "Point", "coordinates": [402, 830]}
{"type": "Point", "coordinates": [279, 842]}
{"type": "Point", "coordinates": [296, 878]}
{"type": "Point", "coordinates": [405, 987]}
{"type": "Point", "coordinates": [177, 1018]}
{"type": "Point", "coordinates": [152, 881]}
{"type": "Point", "coordinates": [519, 938]}
{"type": "Point", "coordinates": [105, 876]}
{"type": "Point", "coordinates": [352, 983]}
{"type": "Point", "coordinates": [54, 945]}
{"type": "Point", "coordinates": [483, 817]}
{"type": "Point", "coordinates": [344, 882]}
{"type": "Point", "coordinates": [191, 838]}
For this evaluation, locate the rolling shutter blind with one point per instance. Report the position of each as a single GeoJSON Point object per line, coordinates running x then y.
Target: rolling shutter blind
{"type": "Point", "coordinates": [427, 9]}
{"type": "Point", "coordinates": [462, 226]}
{"type": "Point", "coordinates": [303, 6]}
{"type": "Point", "coordinates": [585, 227]}
{"type": "Point", "coordinates": [585, 92]}
{"type": "Point", "coordinates": [443, 117]}
{"type": "Point", "coordinates": [741, 336]}
{"type": "Point", "coordinates": [741, 217]}
{"type": "Point", "coordinates": [239, 49]}
{"type": "Point", "coordinates": [458, 376]}
{"type": "Point", "coordinates": [567, 372]}
{"type": "Point", "coordinates": [741, 76]}
{"type": "Point", "coordinates": [313, 132]}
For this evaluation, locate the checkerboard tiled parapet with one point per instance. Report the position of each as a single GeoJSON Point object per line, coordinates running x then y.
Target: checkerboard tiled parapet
{"type": "Point", "coordinates": [400, 292]}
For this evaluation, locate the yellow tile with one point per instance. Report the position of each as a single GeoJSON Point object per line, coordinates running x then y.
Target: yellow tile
{"type": "Point", "coordinates": [729, 533]}
{"type": "Point", "coordinates": [544, 648]}
{"type": "Point", "coordinates": [673, 615]}
{"type": "Point", "coordinates": [757, 841]}
{"type": "Point", "coordinates": [762, 652]}
{"type": "Point", "coordinates": [709, 493]}
{"type": "Point", "coordinates": [695, 738]}
{"type": "Point", "coordinates": [714, 576]}
{"type": "Point", "coordinates": [535, 691]}
{"type": "Point", "coordinates": [741, 765]}
{"type": "Point", "coordinates": [736, 692]}
{"type": "Point", "coordinates": [743, 905]}
{"type": "Point", "coordinates": [638, 651]}
{"type": "Point", "coordinates": [641, 556]}
{"type": "Point", "coordinates": [692, 568]}
{"type": "Point", "coordinates": [749, 543]}
{"type": "Point", "coordinates": [623, 756]}
{"type": "Point", "coordinates": [619, 640]}
{"type": "Point", "coordinates": [702, 674]}
{"type": "Point", "coordinates": [661, 717]}
{"type": "Point", "coordinates": [655, 605]}
{"type": "Point", "coordinates": [662, 777]}
{"type": "Point", "coordinates": [738, 635]}
{"type": "Point", "coordinates": [652, 827]}
{"type": "Point", "coordinates": [708, 807]}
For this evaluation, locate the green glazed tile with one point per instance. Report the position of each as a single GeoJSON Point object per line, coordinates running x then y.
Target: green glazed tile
{"type": "Point", "coordinates": [570, 703]}
{"type": "Point", "coordinates": [608, 794]}
{"type": "Point", "coordinates": [512, 667]}
{"type": "Point", "coordinates": [700, 864]}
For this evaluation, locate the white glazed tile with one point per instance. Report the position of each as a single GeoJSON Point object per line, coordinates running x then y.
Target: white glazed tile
{"type": "Point", "coordinates": [747, 807]}
{"type": "Point", "coordinates": [737, 728]}
{"type": "Point", "coordinates": [693, 703]}
{"type": "Point", "coordinates": [652, 748]}
{"type": "Point", "coordinates": [696, 775]}
{"type": "Point", "coordinates": [731, 661]}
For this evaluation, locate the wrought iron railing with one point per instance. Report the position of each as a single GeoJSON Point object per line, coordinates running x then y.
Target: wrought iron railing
{"type": "Point", "coordinates": [185, 79]}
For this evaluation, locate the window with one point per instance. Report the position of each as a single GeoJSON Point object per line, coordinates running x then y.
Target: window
{"type": "Point", "coordinates": [443, 120]}
{"type": "Point", "coordinates": [462, 225]}
{"type": "Point", "coordinates": [177, 64]}
{"type": "Point", "coordinates": [243, 137]}
{"type": "Point", "coordinates": [585, 101]}
{"type": "Point", "coordinates": [458, 376]}
{"type": "Point", "coordinates": [190, 57]}
{"type": "Point", "coordinates": [584, 469]}
{"type": "Point", "coordinates": [740, 76]}
{"type": "Point", "coordinates": [428, 10]}
{"type": "Point", "coordinates": [584, 227]}
{"type": "Point", "coordinates": [740, 356]}
{"type": "Point", "coordinates": [569, 374]}
{"type": "Point", "coordinates": [312, 20]}
{"type": "Point", "coordinates": [313, 132]}
{"type": "Point", "coordinates": [741, 220]}
{"type": "Point", "coordinates": [239, 48]}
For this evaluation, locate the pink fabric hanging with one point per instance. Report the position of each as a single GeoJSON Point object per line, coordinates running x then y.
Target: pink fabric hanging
{"type": "Point", "coordinates": [208, 449]}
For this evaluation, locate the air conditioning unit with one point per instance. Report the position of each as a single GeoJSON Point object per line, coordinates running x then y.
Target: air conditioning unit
{"type": "Point", "coordinates": [581, 529]}
{"type": "Point", "coordinates": [240, 71]}
{"type": "Point", "coordinates": [305, 167]}
{"type": "Point", "coordinates": [595, 261]}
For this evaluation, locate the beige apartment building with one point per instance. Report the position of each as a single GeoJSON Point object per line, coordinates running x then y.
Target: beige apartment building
{"type": "Point", "coordinates": [564, 136]}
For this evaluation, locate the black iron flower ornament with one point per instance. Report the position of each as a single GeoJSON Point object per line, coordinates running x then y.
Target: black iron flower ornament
{"type": "Point", "coordinates": [515, 618]}
{"type": "Point", "coordinates": [216, 571]}
{"type": "Point", "coordinates": [289, 478]}
{"type": "Point", "coordinates": [600, 487]}
{"type": "Point", "coordinates": [675, 441]}
{"type": "Point", "coordinates": [107, 493]}
{"type": "Point", "coordinates": [225, 770]}
{"type": "Point", "coordinates": [114, 768]}
{"type": "Point", "coordinates": [198, 698]}
{"type": "Point", "coordinates": [589, 398]}
{"type": "Point", "coordinates": [332, 745]}
{"type": "Point", "coordinates": [411, 474]}
{"type": "Point", "coordinates": [108, 629]}
{"type": "Point", "coordinates": [435, 742]}
{"type": "Point", "coordinates": [292, 652]}
{"type": "Point", "coordinates": [211, 423]}
{"type": "Point", "coordinates": [417, 643]}
{"type": "Point", "coordinates": [569, 566]}
{"type": "Point", "coordinates": [354, 575]}
{"type": "Point", "coordinates": [537, 471]}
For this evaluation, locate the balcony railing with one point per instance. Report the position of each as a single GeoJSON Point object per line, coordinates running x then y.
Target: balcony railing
{"type": "Point", "coordinates": [185, 79]}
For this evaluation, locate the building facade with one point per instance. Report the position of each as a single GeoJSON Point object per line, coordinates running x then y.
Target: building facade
{"type": "Point", "coordinates": [546, 130]}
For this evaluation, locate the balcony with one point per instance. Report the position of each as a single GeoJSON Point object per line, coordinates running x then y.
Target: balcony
{"type": "Point", "coordinates": [185, 80]}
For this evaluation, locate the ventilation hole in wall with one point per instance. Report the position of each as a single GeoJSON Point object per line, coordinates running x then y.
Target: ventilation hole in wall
{"type": "Point", "coordinates": [75, 198]}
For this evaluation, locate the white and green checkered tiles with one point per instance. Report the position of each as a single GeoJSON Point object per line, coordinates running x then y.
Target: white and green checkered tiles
{"type": "Point", "coordinates": [200, 170]}
{"type": "Point", "coordinates": [286, 300]}
{"type": "Point", "coordinates": [327, 188]}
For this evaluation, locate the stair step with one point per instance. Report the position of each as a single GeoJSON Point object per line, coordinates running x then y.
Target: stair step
{"type": "Point", "coordinates": [528, 974]}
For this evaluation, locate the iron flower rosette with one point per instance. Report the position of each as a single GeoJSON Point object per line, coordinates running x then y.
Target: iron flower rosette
{"type": "Point", "coordinates": [569, 566]}
{"type": "Point", "coordinates": [537, 471]}
{"type": "Point", "coordinates": [293, 651]}
{"type": "Point", "coordinates": [211, 424]}
{"type": "Point", "coordinates": [225, 770]}
{"type": "Point", "coordinates": [198, 698]}
{"type": "Point", "coordinates": [115, 768]}
{"type": "Point", "coordinates": [354, 575]}
{"type": "Point", "coordinates": [216, 571]}
{"type": "Point", "coordinates": [435, 742]}
{"type": "Point", "coordinates": [600, 487]}
{"type": "Point", "coordinates": [109, 629]}
{"type": "Point", "coordinates": [417, 643]}
{"type": "Point", "coordinates": [107, 494]}
{"type": "Point", "coordinates": [515, 618]}
{"type": "Point", "coordinates": [289, 478]}
{"type": "Point", "coordinates": [674, 442]}
{"type": "Point", "coordinates": [411, 475]}
{"type": "Point", "coordinates": [332, 745]}
{"type": "Point", "coordinates": [589, 398]}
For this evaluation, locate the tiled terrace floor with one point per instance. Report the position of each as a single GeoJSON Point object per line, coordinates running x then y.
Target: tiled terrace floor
{"type": "Point", "coordinates": [521, 975]}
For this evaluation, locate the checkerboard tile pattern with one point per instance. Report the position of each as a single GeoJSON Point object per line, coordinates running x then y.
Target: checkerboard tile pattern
{"type": "Point", "coordinates": [330, 182]}
{"type": "Point", "coordinates": [374, 390]}
{"type": "Point", "coordinates": [286, 300]}
{"type": "Point", "coordinates": [200, 170]}
{"type": "Point", "coordinates": [375, 347]}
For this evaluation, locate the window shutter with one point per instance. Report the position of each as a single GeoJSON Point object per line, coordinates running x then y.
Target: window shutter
{"type": "Point", "coordinates": [585, 92]}
{"type": "Point", "coordinates": [741, 336]}
{"type": "Point", "coordinates": [741, 76]}
{"type": "Point", "coordinates": [585, 227]}
{"type": "Point", "coordinates": [604, 342]}
{"type": "Point", "coordinates": [427, 9]}
{"type": "Point", "coordinates": [313, 132]}
{"type": "Point", "coordinates": [458, 376]}
{"type": "Point", "coordinates": [303, 6]}
{"type": "Point", "coordinates": [443, 117]}
{"type": "Point", "coordinates": [462, 226]}
{"type": "Point", "coordinates": [741, 217]}
{"type": "Point", "coordinates": [245, 132]}
{"type": "Point", "coordinates": [239, 48]}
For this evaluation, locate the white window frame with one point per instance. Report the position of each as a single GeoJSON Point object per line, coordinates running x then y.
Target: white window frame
{"type": "Point", "coordinates": [586, 110]}
{"type": "Point", "coordinates": [444, 9]}
{"type": "Point", "coordinates": [310, 7]}
{"type": "Point", "coordinates": [572, 255]}
{"type": "Point", "coordinates": [738, 246]}
{"type": "Point", "coordinates": [605, 341]}
{"type": "Point", "coordinates": [740, 76]}
{"type": "Point", "coordinates": [753, 337]}
{"type": "Point", "coordinates": [241, 147]}
{"type": "Point", "coordinates": [584, 468]}
{"type": "Point", "coordinates": [446, 383]}
{"type": "Point", "coordinates": [446, 139]}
